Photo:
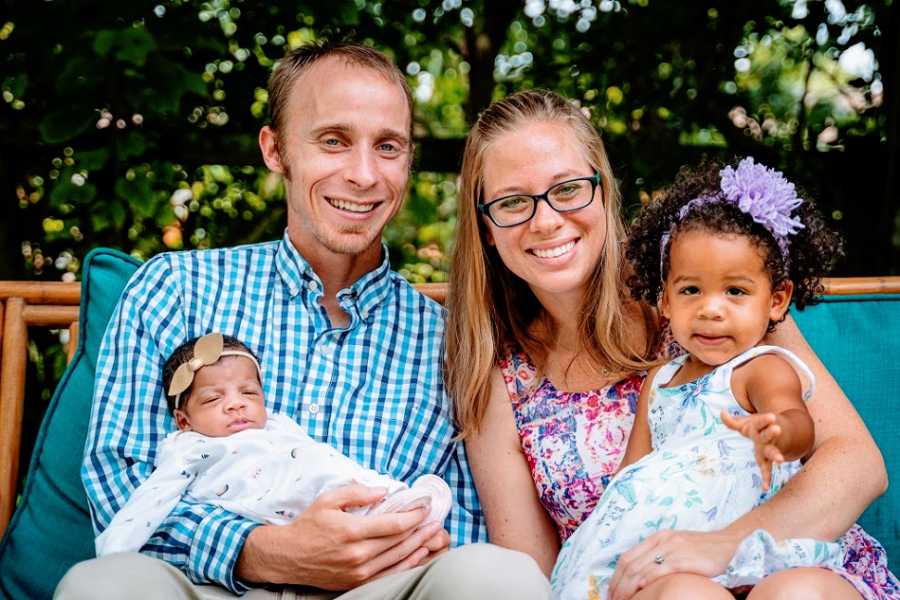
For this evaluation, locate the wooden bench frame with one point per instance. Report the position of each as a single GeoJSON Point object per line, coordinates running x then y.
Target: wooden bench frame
{"type": "Point", "coordinates": [55, 305]}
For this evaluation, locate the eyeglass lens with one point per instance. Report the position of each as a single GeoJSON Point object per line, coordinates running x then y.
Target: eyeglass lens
{"type": "Point", "coordinates": [568, 195]}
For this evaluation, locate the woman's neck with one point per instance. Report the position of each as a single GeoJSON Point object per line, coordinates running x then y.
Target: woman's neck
{"type": "Point", "coordinates": [563, 312]}
{"type": "Point", "coordinates": [568, 364]}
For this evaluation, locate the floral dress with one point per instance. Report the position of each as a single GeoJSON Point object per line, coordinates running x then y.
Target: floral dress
{"type": "Point", "coordinates": [574, 442]}
{"type": "Point", "coordinates": [701, 476]}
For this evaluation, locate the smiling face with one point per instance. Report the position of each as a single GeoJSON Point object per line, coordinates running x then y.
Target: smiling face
{"type": "Point", "coordinates": [718, 296]}
{"type": "Point", "coordinates": [225, 397]}
{"type": "Point", "coordinates": [345, 156]}
{"type": "Point", "coordinates": [554, 253]}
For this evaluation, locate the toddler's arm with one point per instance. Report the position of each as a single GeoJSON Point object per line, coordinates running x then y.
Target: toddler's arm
{"type": "Point", "coordinates": [639, 442]}
{"type": "Point", "coordinates": [781, 428]}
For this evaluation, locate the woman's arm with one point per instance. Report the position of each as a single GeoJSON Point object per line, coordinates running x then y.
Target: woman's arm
{"type": "Point", "coordinates": [639, 440]}
{"type": "Point", "coordinates": [515, 517]}
{"type": "Point", "coordinates": [843, 476]}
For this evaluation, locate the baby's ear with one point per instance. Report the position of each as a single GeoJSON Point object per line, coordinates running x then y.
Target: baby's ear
{"type": "Point", "coordinates": [182, 421]}
{"type": "Point", "coordinates": [781, 300]}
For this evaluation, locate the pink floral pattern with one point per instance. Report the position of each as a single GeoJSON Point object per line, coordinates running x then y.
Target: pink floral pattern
{"type": "Point", "coordinates": [574, 442]}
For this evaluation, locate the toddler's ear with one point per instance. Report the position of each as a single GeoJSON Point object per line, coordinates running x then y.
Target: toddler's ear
{"type": "Point", "coordinates": [182, 421]}
{"type": "Point", "coordinates": [781, 300]}
{"type": "Point", "coordinates": [664, 304]}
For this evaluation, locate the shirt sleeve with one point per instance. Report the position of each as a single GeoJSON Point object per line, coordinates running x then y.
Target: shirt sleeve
{"type": "Point", "coordinates": [465, 522]}
{"type": "Point", "coordinates": [129, 419]}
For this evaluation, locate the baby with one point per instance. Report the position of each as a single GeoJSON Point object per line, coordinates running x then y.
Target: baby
{"type": "Point", "coordinates": [229, 452]}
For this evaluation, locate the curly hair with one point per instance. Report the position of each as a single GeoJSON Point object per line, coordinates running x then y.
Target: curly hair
{"type": "Point", "coordinates": [183, 354]}
{"type": "Point", "coordinates": [814, 249]}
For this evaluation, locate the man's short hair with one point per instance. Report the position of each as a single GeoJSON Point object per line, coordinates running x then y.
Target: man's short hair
{"type": "Point", "coordinates": [298, 61]}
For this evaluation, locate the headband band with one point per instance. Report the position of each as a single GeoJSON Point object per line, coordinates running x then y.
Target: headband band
{"type": "Point", "coordinates": [756, 190]}
{"type": "Point", "coordinates": [207, 351]}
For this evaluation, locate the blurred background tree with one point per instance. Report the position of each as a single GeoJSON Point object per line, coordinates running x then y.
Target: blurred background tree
{"type": "Point", "coordinates": [133, 124]}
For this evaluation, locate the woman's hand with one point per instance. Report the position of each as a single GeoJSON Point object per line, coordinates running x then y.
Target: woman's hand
{"type": "Point", "coordinates": [666, 552]}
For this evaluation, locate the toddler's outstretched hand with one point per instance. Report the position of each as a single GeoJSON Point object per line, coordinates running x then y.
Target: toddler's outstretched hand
{"type": "Point", "coordinates": [763, 430]}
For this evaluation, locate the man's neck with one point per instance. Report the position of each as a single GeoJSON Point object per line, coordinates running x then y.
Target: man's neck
{"type": "Point", "coordinates": [337, 271]}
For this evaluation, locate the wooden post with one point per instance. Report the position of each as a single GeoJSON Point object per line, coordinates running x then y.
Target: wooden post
{"type": "Point", "coordinates": [73, 341]}
{"type": "Point", "coordinates": [12, 397]}
{"type": "Point", "coordinates": [2, 314]}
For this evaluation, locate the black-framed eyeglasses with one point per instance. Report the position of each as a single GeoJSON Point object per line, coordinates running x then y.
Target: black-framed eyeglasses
{"type": "Point", "coordinates": [565, 196]}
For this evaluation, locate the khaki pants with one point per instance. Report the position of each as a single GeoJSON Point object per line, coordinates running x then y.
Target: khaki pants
{"type": "Point", "coordinates": [472, 572]}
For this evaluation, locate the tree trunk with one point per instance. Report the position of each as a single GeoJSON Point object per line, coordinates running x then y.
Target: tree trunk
{"type": "Point", "coordinates": [483, 41]}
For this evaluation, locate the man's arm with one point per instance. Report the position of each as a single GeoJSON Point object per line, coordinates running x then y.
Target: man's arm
{"type": "Point", "coordinates": [129, 418]}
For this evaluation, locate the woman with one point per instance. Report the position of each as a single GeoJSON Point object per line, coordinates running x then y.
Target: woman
{"type": "Point", "coordinates": [546, 357]}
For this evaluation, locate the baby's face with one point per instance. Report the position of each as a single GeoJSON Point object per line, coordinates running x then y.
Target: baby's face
{"type": "Point", "coordinates": [718, 296]}
{"type": "Point", "coordinates": [226, 397]}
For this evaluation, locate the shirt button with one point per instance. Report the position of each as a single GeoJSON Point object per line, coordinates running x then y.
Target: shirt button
{"type": "Point", "coordinates": [313, 409]}
{"type": "Point", "coordinates": [312, 286]}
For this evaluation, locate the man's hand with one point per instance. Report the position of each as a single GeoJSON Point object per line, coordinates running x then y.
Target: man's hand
{"type": "Point", "coordinates": [438, 544]}
{"type": "Point", "coordinates": [763, 429]}
{"type": "Point", "coordinates": [331, 549]}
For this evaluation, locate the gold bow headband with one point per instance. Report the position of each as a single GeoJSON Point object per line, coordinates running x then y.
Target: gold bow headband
{"type": "Point", "coordinates": [207, 351]}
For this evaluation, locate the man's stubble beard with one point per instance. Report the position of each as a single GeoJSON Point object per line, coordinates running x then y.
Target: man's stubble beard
{"type": "Point", "coordinates": [342, 243]}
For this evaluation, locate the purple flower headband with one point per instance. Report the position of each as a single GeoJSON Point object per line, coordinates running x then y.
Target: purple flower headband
{"type": "Point", "coordinates": [756, 190]}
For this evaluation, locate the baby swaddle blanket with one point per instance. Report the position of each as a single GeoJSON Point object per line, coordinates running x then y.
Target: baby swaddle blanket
{"type": "Point", "coordinates": [269, 475]}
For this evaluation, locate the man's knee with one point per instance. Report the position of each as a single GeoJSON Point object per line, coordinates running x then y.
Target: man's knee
{"type": "Point", "coordinates": [128, 575]}
{"type": "Point", "coordinates": [486, 571]}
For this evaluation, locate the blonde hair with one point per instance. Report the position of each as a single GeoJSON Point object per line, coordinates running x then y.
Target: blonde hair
{"type": "Point", "coordinates": [492, 310]}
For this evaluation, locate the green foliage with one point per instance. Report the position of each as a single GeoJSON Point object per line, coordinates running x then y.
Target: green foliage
{"type": "Point", "coordinates": [135, 125]}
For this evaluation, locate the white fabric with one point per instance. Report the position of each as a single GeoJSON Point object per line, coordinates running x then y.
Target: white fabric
{"type": "Point", "coordinates": [701, 476]}
{"type": "Point", "coordinates": [269, 475]}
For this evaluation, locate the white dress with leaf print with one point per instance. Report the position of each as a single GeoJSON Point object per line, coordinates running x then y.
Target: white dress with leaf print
{"type": "Point", "coordinates": [700, 476]}
{"type": "Point", "coordinates": [269, 475]}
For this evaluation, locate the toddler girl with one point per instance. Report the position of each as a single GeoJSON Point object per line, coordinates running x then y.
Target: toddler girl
{"type": "Point", "coordinates": [720, 429]}
{"type": "Point", "coordinates": [229, 452]}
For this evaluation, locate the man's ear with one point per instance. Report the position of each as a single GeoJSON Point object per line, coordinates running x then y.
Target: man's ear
{"type": "Point", "coordinates": [268, 144]}
{"type": "Point", "coordinates": [182, 421]}
{"type": "Point", "coordinates": [781, 300]}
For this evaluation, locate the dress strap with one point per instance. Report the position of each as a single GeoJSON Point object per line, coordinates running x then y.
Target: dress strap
{"type": "Point", "coordinates": [666, 372]}
{"type": "Point", "coordinates": [807, 379]}
{"type": "Point", "coordinates": [519, 375]}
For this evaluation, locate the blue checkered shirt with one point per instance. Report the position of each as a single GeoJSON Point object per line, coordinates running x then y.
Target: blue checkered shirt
{"type": "Point", "coordinates": [373, 389]}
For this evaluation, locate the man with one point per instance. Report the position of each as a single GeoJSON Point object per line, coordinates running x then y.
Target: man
{"type": "Point", "coordinates": [348, 349]}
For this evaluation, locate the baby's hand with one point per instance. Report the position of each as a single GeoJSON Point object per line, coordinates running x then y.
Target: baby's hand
{"type": "Point", "coordinates": [763, 430]}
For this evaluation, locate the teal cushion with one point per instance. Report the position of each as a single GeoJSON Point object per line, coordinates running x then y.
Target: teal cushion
{"type": "Point", "coordinates": [858, 339]}
{"type": "Point", "coordinates": [51, 528]}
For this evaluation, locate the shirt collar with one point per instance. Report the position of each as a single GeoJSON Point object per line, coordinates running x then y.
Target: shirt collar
{"type": "Point", "coordinates": [366, 292]}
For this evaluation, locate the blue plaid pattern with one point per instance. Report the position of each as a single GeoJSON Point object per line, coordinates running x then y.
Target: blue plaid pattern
{"type": "Point", "coordinates": [373, 389]}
